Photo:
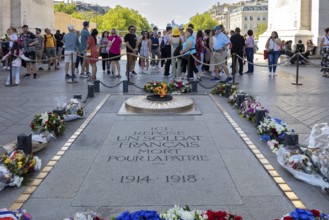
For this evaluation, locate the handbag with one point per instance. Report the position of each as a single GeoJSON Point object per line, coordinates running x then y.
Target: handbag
{"type": "Point", "coordinates": [178, 49]}
{"type": "Point", "coordinates": [265, 54]}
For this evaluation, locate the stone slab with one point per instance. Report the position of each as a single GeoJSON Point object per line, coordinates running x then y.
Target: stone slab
{"type": "Point", "coordinates": [176, 164]}
{"type": "Point", "coordinates": [66, 177]}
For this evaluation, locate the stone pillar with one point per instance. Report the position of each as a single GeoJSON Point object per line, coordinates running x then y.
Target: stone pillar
{"type": "Point", "coordinates": [290, 18]}
{"type": "Point", "coordinates": [320, 19]}
{"type": "Point", "coordinates": [5, 15]}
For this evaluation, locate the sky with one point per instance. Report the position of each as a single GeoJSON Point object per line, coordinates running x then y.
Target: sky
{"type": "Point", "coordinates": [162, 12]}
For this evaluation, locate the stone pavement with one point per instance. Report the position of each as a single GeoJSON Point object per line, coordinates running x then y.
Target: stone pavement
{"type": "Point", "coordinates": [98, 179]}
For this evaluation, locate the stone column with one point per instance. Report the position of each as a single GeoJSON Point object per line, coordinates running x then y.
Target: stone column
{"type": "Point", "coordinates": [320, 19]}
{"type": "Point", "coordinates": [5, 15]}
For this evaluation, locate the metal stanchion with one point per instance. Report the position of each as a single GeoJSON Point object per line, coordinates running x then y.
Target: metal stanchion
{"type": "Point", "coordinates": [91, 91]}
{"type": "Point", "coordinates": [240, 99]}
{"type": "Point", "coordinates": [96, 86]}
{"type": "Point", "coordinates": [77, 96]}
{"type": "Point", "coordinates": [125, 85]}
{"type": "Point", "coordinates": [260, 115]}
{"type": "Point", "coordinates": [234, 57]}
{"type": "Point", "coordinates": [297, 72]}
{"type": "Point", "coordinates": [290, 138]}
{"type": "Point", "coordinates": [127, 70]}
{"type": "Point", "coordinates": [194, 86]}
{"type": "Point", "coordinates": [228, 90]}
{"type": "Point", "coordinates": [24, 143]}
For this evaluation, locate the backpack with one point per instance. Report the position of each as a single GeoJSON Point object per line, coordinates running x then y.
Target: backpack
{"type": "Point", "coordinates": [45, 38]}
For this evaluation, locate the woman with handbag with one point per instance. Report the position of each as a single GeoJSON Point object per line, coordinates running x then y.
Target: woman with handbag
{"type": "Point", "coordinates": [189, 50]}
{"type": "Point", "coordinates": [92, 50]}
{"type": "Point", "coordinates": [273, 48]}
{"type": "Point", "coordinates": [324, 44]}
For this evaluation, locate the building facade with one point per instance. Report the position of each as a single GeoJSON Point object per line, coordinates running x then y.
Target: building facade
{"type": "Point", "coordinates": [34, 13]}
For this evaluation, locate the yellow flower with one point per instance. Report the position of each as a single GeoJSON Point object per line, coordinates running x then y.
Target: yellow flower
{"type": "Point", "coordinates": [33, 162]}
{"type": "Point", "coordinates": [7, 160]}
{"type": "Point", "coordinates": [19, 157]}
{"type": "Point", "coordinates": [19, 165]}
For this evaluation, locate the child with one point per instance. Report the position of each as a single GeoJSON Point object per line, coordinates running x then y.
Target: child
{"type": "Point", "coordinates": [16, 56]}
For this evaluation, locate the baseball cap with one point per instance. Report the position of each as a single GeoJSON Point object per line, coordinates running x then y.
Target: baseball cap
{"type": "Point", "coordinates": [86, 23]}
{"type": "Point", "coordinates": [70, 27]}
{"type": "Point", "coordinates": [217, 28]}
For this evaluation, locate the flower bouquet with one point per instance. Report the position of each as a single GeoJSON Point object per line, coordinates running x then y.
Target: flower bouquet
{"type": "Point", "coordinates": [220, 89]}
{"type": "Point", "coordinates": [159, 88]}
{"type": "Point", "coordinates": [248, 108]}
{"type": "Point", "coordinates": [48, 122]}
{"type": "Point", "coordinates": [15, 215]}
{"type": "Point", "coordinates": [234, 97]}
{"type": "Point", "coordinates": [5, 177]}
{"type": "Point", "coordinates": [304, 214]}
{"type": "Point", "coordinates": [211, 215]}
{"type": "Point", "coordinates": [272, 129]}
{"type": "Point", "coordinates": [142, 214]}
{"type": "Point", "coordinates": [179, 87]}
{"type": "Point", "coordinates": [86, 216]}
{"type": "Point", "coordinates": [183, 214]}
{"type": "Point", "coordinates": [73, 110]}
{"type": "Point", "coordinates": [18, 163]}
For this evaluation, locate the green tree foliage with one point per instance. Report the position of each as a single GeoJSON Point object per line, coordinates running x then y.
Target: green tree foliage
{"type": "Point", "coordinates": [65, 8]}
{"type": "Point", "coordinates": [121, 18]}
{"type": "Point", "coordinates": [202, 22]}
{"type": "Point", "coordinates": [261, 28]}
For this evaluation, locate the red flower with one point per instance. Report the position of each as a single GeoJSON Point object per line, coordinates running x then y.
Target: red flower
{"type": "Point", "coordinates": [288, 218]}
{"type": "Point", "coordinates": [315, 212]}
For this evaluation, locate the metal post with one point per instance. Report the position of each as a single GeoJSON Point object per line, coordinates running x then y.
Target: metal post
{"type": "Point", "coordinates": [125, 85]}
{"type": "Point", "coordinates": [260, 115]}
{"type": "Point", "coordinates": [297, 72]}
{"type": "Point", "coordinates": [240, 99]}
{"type": "Point", "coordinates": [91, 91]}
{"type": "Point", "coordinates": [228, 90]}
{"type": "Point", "coordinates": [194, 86]}
{"type": "Point", "coordinates": [24, 143]}
{"type": "Point", "coordinates": [290, 138]}
{"type": "Point", "coordinates": [77, 96]}
{"type": "Point", "coordinates": [127, 70]}
{"type": "Point", "coordinates": [96, 86]}
{"type": "Point", "coordinates": [72, 67]}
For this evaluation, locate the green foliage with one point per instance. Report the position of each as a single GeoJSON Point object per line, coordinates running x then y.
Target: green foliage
{"type": "Point", "coordinates": [202, 22]}
{"type": "Point", "coordinates": [65, 8]}
{"type": "Point", "coordinates": [121, 18]}
{"type": "Point", "coordinates": [261, 28]}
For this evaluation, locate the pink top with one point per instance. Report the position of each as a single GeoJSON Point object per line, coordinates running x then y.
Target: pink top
{"type": "Point", "coordinates": [116, 44]}
{"type": "Point", "coordinates": [250, 42]}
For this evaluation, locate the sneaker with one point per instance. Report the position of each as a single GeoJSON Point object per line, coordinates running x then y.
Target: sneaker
{"type": "Point", "coordinates": [133, 72]}
{"type": "Point", "coordinates": [83, 76]}
{"type": "Point", "coordinates": [108, 71]}
{"type": "Point", "coordinates": [40, 68]}
{"type": "Point", "coordinates": [214, 79]}
{"type": "Point", "coordinates": [67, 76]}
{"type": "Point", "coordinates": [88, 73]}
{"type": "Point", "coordinates": [27, 76]}
{"type": "Point", "coordinates": [4, 68]}
{"type": "Point", "coordinates": [229, 79]}
{"type": "Point", "coordinates": [35, 76]}
{"type": "Point", "coordinates": [8, 68]}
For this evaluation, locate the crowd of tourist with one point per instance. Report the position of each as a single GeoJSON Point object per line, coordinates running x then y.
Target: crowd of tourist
{"type": "Point", "coordinates": [177, 52]}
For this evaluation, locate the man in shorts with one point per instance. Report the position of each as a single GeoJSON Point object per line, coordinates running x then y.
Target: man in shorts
{"type": "Point", "coordinates": [50, 48]}
{"type": "Point", "coordinates": [131, 46]}
{"type": "Point", "coordinates": [71, 44]}
{"type": "Point", "coordinates": [39, 47]}
{"type": "Point", "coordinates": [220, 53]}
{"type": "Point", "coordinates": [28, 42]}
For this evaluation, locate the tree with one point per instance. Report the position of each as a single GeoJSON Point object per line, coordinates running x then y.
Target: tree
{"type": "Point", "coordinates": [203, 21]}
{"type": "Point", "coordinates": [121, 18]}
{"type": "Point", "coordinates": [261, 28]}
{"type": "Point", "coordinates": [66, 8]}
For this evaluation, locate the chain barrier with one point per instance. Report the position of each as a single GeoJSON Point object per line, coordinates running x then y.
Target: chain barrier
{"type": "Point", "coordinates": [86, 99]}
{"type": "Point", "coordinates": [260, 65]}
{"type": "Point", "coordinates": [208, 87]}
{"type": "Point", "coordinates": [111, 87]}
{"type": "Point", "coordinates": [134, 85]}
{"type": "Point", "coordinates": [211, 64]}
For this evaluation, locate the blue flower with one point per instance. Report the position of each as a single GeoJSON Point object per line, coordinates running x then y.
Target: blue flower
{"type": "Point", "coordinates": [265, 137]}
{"type": "Point", "coordinates": [278, 121]}
{"type": "Point", "coordinates": [139, 215]}
{"type": "Point", "coordinates": [302, 214]}
{"type": "Point", "coordinates": [281, 136]}
{"type": "Point", "coordinates": [124, 216]}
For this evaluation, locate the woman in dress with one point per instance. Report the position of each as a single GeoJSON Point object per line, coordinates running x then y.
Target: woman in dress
{"type": "Point", "coordinates": [145, 50]}
{"type": "Point", "coordinates": [114, 46]}
{"type": "Point", "coordinates": [93, 58]}
{"type": "Point", "coordinates": [273, 46]}
{"type": "Point", "coordinates": [324, 44]}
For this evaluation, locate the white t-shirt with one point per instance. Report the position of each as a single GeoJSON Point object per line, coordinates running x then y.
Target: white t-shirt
{"type": "Point", "coordinates": [273, 45]}
{"type": "Point", "coordinates": [13, 37]}
{"type": "Point", "coordinates": [326, 41]}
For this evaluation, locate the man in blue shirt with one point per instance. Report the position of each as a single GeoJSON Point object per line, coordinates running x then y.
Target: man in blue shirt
{"type": "Point", "coordinates": [84, 38]}
{"type": "Point", "coordinates": [71, 47]}
{"type": "Point", "coordinates": [220, 54]}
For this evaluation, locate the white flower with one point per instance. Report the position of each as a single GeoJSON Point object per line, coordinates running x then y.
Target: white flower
{"type": "Point", "coordinates": [38, 163]}
{"type": "Point", "coordinates": [16, 181]}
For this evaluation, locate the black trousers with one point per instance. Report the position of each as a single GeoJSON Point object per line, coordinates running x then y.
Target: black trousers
{"type": "Point", "coordinates": [104, 62]}
{"type": "Point", "coordinates": [167, 53]}
{"type": "Point", "coordinates": [237, 59]}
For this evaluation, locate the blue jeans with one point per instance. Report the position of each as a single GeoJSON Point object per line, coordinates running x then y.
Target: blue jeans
{"type": "Point", "coordinates": [15, 73]}
{"type": "Point", "coordinates": [250, 59]}
{"type": "Point", "coordinates": [273, 60]}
